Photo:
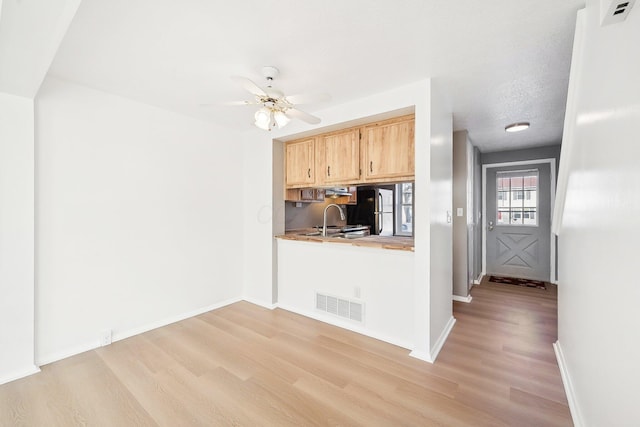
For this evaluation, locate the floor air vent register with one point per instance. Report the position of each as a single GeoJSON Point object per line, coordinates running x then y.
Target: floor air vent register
{"type": "Point", "coordinates": [341, 307]}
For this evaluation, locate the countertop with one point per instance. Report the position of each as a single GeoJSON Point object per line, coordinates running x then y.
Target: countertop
{"type": "Point", "coordinates": [385, 242]}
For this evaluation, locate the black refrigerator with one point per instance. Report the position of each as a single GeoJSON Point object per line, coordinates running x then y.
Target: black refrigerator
{"type": "Point", "coordinates": [375, 209]}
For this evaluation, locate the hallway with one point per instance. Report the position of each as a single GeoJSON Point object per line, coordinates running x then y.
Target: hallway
{"type": "Point", "coordinates": [502, 343]}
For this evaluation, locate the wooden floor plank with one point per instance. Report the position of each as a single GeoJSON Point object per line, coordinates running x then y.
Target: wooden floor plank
{"type": "Point", "coordinates": [245, 365]}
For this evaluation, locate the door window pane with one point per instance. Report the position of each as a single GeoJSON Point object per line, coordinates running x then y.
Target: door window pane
{"type": "Point", "coordinates": [517, 197]}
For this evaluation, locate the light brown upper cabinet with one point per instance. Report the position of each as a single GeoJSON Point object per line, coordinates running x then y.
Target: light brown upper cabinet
{"type": "Point", "coordinates": [339, 157]}
{"type": "Point", "coordinates": [300, 163]}
{"type": "Point", "coordinates": [377, 152]}
{"type": "Point", "coordinates": [388, 153]}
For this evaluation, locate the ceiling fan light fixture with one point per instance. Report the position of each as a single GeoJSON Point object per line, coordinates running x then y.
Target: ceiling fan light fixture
{"type": "Point", "coordinates": [281, 119]}
{"type": "Point", "coordinates": [263, 118]}
{"type": "Point", "coordinates": [517, 127]}
{"type": "Point", "coordinates": [275, 110]}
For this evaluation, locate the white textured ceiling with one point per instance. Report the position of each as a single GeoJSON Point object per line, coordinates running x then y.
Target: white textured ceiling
{"type": "Point", "coordinates": [501, 60]}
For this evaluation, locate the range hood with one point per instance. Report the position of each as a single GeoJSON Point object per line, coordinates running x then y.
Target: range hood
{"type": "Point", "coordinates": [337, 192]}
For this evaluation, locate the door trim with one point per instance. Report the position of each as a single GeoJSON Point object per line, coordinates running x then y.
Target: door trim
{"type": "Point", "coordinates": [552, 195]}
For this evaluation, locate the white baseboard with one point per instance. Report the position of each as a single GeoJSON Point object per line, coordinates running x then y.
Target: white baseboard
{"type": "Point", "coordinates": [346, 325]}
{"type": "Point", "coordinates": [120, 335]}
{"type": "Point", "coordinates": [435, 350]}
{"type": "Point", "coordinates": [477, 280]}
{"type": "Point", "coordinates": [260, 303]}
{"type": "Point", "coordinates": [422, 355]}
{"type": "Point", "coordinates": [30, 370]}
{"type": "Point", "coordinates": [466, 299]}
{"type": "Point", "coordinates": [117, 336]}
{"type": "Point", "coordinates": [68, 352]}
{"type": "Point", "coordinates": [568, 386]}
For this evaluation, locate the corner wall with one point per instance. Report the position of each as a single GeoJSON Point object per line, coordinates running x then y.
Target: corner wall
{"type": "Point", "coordinates": [440, 208]}
{"type": "Point", "coordinates": [16, 238]}
{"type": "Point", "coordinates": [598, 292]}
{"type": "Point", "coordinates": [137, 218]}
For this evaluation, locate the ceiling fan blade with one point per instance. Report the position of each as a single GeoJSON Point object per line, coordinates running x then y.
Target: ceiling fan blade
{"type": "Point", "coordinates": [228, 103]}
{"type": "Point", "coordinates": [301, 115]}
{"type": "Point", "coordinates": [308, 98]}
{"type": "Point", "coordinates": [250, 86]}
{"type": "Point", "coordinates": [241, 103]}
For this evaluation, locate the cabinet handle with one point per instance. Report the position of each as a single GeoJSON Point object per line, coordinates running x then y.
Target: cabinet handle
{"type": "Point", "coordinates": [328, 170]}
{"type": "Point", "coordinates": [309, 173]}
{"type": "Point", "coordinates": [371, 166]}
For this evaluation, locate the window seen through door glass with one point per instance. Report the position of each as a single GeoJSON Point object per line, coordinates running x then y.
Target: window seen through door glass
{"type": "Point", "coordinates": [517, 198]}
{"type": "Point", "coordinates": [404, 209]}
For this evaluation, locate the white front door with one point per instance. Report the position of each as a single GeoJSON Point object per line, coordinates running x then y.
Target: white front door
{"type": "Point", "coordinates": [518, 221]}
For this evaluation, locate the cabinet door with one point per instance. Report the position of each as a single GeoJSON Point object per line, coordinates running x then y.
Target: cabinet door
{"type": "Point", "coordinates": [300, 163]}
{"type": "Point", "coordinates": [388, 151]}
{"type": "Point", "coordinates": [340, 154]}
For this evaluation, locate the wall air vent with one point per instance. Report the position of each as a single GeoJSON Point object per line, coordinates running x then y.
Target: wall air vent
{"type": "Point", "coordinates": [613, 11]}
{"type": "Point", "coordinates": [341, 307]}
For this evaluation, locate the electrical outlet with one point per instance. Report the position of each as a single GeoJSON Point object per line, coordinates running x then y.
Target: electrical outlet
{"type": "Point", "coordinates": [105, 337]}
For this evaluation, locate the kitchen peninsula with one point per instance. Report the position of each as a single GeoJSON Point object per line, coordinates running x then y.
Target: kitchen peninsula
{"type": "Point", "coordinates": [400, 296]}
{"type": "Point", "coordinates": [384, 242]}
{"type": "Point", "coordinates": [360, 282]}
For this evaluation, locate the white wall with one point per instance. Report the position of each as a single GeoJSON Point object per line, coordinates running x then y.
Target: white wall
{"type": "Point", "coordinates": [440, 220]}
{"type": "Point", "coordinates": [598, 316]}
{"type": "Point", "coordinates": [16, 238]}
{"type": "Point", "coordinates": [137, 217]}
{"type": "Point", "coordinates": [259, 189]}
{"type": "Point", "coordinates": [384, 279]}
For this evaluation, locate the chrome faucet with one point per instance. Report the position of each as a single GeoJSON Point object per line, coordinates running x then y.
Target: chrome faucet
{"type": "Point", "coordinates": [324, 221]}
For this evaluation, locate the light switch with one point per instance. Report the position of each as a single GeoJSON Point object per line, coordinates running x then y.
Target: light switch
{"type": "Point", "coordinates": [459, 211]}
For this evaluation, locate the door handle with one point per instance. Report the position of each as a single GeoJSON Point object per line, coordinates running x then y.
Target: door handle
{"type": "Point", "coordinates": [490, 226]}
{"type": "Point", "coordinates": [380, 211]}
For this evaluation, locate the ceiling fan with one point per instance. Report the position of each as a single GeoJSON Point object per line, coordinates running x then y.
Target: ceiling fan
{"type": "Point", "coordinates": [276, 109]}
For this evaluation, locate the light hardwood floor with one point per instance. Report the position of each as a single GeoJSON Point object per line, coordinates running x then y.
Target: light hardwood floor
{"type": "Point", "coordinates": [247, 366]}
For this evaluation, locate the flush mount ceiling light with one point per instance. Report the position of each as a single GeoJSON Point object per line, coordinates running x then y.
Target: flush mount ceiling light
{"type": "Point", "coordinates": [517, 127]}
{"type": "Point", "coordinates": [276, 109]}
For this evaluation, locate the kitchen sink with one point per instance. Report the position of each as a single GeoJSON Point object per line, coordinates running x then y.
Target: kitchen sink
{"type": "Point", "coordinates": [352, 235]}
